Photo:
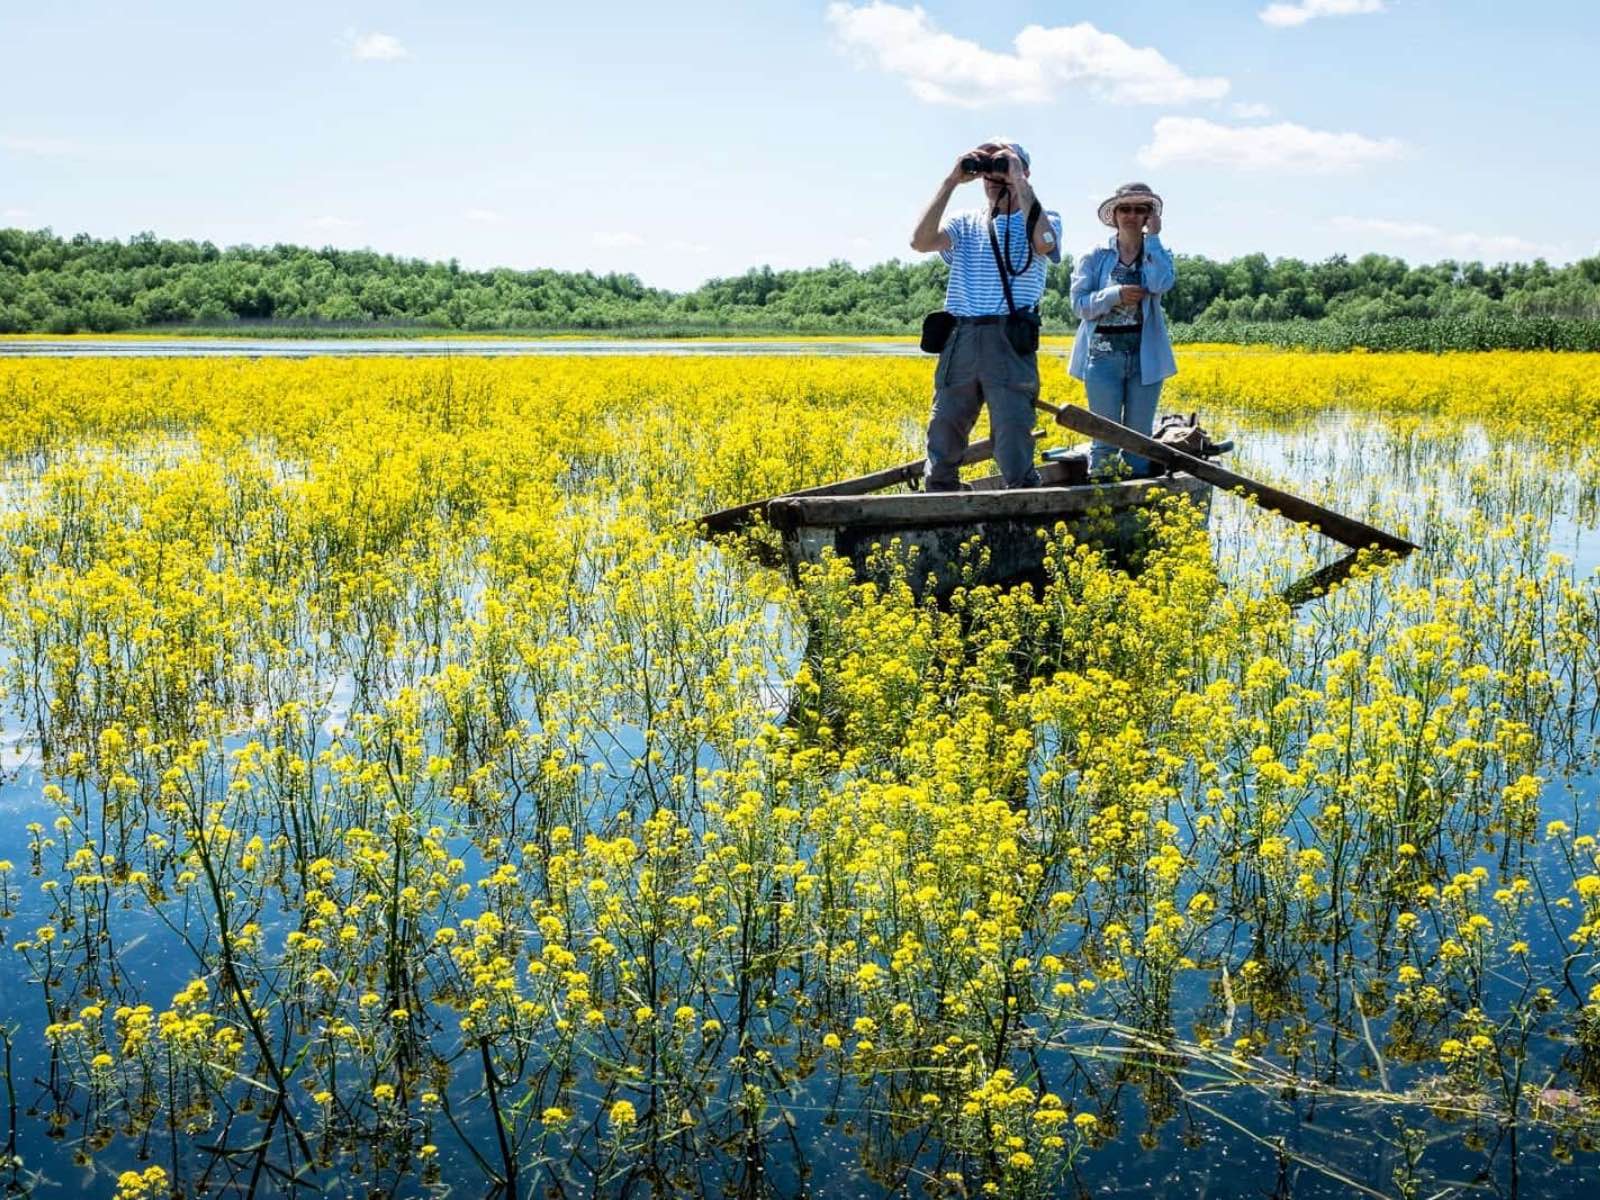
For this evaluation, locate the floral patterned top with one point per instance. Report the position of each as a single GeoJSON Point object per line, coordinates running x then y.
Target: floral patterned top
{"type": "Point", "coordinates": [1124, 317]}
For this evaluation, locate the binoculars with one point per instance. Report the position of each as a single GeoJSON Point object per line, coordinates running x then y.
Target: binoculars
{"type": "Point", "coordinates": [984, 164]}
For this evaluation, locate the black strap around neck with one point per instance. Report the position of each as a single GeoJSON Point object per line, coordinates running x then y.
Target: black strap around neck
{"type": "Point", "coordinates": [1003, 265]}
{"type": "Point", "coordinates": [1005, 274]}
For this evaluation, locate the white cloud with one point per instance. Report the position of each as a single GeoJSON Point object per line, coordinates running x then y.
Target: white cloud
{"type": "Point", "coordinates": [1280, 147]}
{"type": "Point", "coordinates": [376, 47]}
{"type": "Point", "coordinates": [333, 223]}
{"type": "Point", "coordinates": [44, 147]}
{"type": "Point", "coordinates": [1468, 245]}
{"type": "Point", "coordinates": [617, 239]}
{"type": "Point", "coordinates": [15, 214]}
{"type": "Point", "coordinates": [681, 246]}
{"type": "Point", "coordinates": [1250, 112]}
{"type": "Point", "coordinates": [1283, 16]}
{"type": "Point", "coordinates": [941, 68]}
{"type": "Point", "coordinates": [483, 216]}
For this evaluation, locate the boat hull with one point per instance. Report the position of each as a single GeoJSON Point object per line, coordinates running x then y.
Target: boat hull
{"type": "Point", "coordinates": [947, 540]}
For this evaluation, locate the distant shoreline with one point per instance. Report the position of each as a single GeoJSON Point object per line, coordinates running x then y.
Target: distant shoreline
{"type": "Point", "coordinates": [166, 288]}
{"type": "Point", "coordinates": [247, 332]}
{"type": "Point", "coordinates": [1417, 334]}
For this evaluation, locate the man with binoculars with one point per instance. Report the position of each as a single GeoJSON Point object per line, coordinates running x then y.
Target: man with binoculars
{"type": "Point", "coordinates": [988, 336]}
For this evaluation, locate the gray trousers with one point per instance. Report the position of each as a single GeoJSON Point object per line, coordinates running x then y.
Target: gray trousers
{"type": "Point", "coordinates": [978, 366]}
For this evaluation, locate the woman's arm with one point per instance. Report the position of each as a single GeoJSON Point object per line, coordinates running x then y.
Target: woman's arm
{"type": "Point", "coordinates": [1159, 273]}
{"type": "Point", "coordinates": [1089, 304]}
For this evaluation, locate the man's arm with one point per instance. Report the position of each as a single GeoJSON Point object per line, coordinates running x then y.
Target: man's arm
{"type": "Point", "coordinates": [1046, 234]}
{"type": "Point", "coordinates": [927, 235]}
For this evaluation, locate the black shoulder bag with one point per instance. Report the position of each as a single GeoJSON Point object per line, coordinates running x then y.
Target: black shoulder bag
{"type": "Point", "coordinates": [936, 330]}
{"type": "Point", "coordinates": [1022, 325]}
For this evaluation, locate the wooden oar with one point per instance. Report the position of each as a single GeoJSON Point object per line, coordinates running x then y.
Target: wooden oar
{"type": "Point", "coordinates": [1358, 535]}
{"type": "Point", "coordinates": [728, 519]}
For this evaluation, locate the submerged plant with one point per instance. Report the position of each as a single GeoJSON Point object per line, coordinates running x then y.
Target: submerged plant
{"type": "Point", "coordinates": [411, 798]}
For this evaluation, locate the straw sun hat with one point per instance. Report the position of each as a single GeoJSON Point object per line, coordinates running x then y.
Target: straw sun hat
{"type": "Point", "coordinates": [1128, 191]}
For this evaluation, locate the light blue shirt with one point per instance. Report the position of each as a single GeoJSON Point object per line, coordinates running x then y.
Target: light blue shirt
{"type": "Point", "coordinates": [974, 289]}
{"type": "Point", "coordinates": [1094, 295]}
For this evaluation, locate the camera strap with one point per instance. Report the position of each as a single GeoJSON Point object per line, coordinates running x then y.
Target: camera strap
{"type": "Point", "coordinates": [1005, 275]}
{"type": "Point", "coordinates": [1004, 265]}
{"type": "Point", "coordinates": [1022, 328]}
{"type": "Point", "coordinates": [1034, 213]}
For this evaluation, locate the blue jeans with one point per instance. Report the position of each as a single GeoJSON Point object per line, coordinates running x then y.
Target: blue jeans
{"type": "Point", "coordinates": [1111, 378]}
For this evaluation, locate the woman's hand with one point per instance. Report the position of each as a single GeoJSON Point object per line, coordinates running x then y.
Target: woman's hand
{"type": "Point", "coordinates": [1132, 293]}
{"type": "Point", "coordinates": [1153, 222]}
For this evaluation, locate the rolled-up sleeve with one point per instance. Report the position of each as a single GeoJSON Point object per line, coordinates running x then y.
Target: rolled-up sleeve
{"type": "Point", "coordinates": [956, 228]}
{"type": "Point", "coordinates": [1159, 273]}
{"type": "Point", "coordinates": [1089, 303]}
{"type": "Point", "coordinates": [1055, 227]}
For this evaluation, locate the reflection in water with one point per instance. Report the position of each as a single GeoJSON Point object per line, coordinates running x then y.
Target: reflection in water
{"type": "Point", "coordinates": [1131, 885]}
{"type": "Point", "coordinates": [1321, 581]}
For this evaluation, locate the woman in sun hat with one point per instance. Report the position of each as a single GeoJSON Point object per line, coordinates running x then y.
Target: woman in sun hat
{"type": "Point", "coordinates": [1122, 351]}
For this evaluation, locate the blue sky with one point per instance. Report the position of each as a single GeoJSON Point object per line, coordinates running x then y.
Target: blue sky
{"type": "Point", "coordinates": [681, 141]}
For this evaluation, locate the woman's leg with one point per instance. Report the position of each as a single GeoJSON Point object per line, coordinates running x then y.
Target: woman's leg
{"type": "Point", "coordinates": [1139, 411]}
{"type": "Point", "coordinates": [1103, 383]}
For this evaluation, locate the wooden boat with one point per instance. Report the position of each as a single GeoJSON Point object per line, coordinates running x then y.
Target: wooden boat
{"type": "Point", "coordinates": [989, 535]}
{"type": "Point", "coordinates": [999, 536]}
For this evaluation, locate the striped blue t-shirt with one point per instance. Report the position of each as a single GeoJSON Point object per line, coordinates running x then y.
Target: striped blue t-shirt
{"type": "Point", "coordinates": [974, 289]}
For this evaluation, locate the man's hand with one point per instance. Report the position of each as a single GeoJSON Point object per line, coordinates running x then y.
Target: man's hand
{"type": "Point", "coordinates": [1016, 179]}
{"type": "Point", "coordinates": [1021, 189]}
{"type": "Point", "coordinates": [927, 236]}
{"type": "Point", "coordinates": [1132, 293]}
{"type": "Point", "coordinates": [1152, 223]}
{"type": "Point", "coordinates": [959, 174]}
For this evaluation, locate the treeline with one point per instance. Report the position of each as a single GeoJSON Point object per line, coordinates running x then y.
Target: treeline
{"type": "Point", "coordinates": [50, 284]}
{"type": "Point", "coordinates": [1428, 334]}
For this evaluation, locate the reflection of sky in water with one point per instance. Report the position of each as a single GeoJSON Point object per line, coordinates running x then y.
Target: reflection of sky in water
{"type": "Point", "coordinates": [1432, 479]}
{"type": "Point", "coordinates": [1219, 1141]}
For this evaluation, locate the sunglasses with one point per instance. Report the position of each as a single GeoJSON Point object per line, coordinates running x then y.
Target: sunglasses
{"type": "Point", "coordinates": [1142, 210]}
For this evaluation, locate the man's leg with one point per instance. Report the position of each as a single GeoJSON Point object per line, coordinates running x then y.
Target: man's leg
{"type": "Point", "coordinates": [957, 398]}
{"type": "Point", "coordinates": [955, 412]}
{"type": "Point", "coordinates": [1011, 421]}
{"type": "Point", "coordinates": [1010, 385]}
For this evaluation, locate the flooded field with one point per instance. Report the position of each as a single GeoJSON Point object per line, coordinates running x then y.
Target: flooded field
{"type": "Point", "coordinates": [400, 798]}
